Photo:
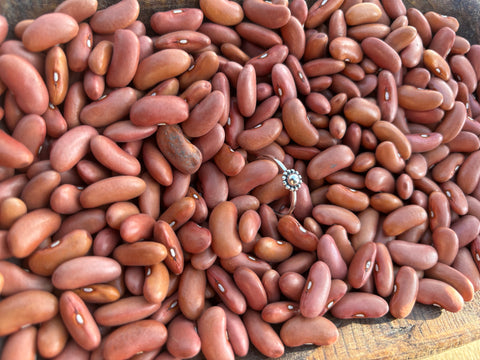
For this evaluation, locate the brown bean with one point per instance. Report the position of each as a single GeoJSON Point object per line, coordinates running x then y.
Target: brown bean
{"type": "Point", "coordinates": [328, 252]}
{"type": "Point", "coordinates": [124, 310]}
{"type": "Point", "coordinates": [77, 11]}
{"type": "Point", "coordinates": [332, 214]}
{"type": "Point", "coordinates": [212, 326]}
{"type": "Point", "coordinates": [26, 307]}
{"type": "Point", "coordinates": [143, 253]}
{"type": "Point", "coordinates": [403, 219]}
{"type": "Point", "coordinates": [48, 30]}
{"type": "Point", "coordinates": [156, 284]}
{"type": "Point", "coordinates": [359, 305]}
{"type": "Point", "coordinates": [452, 277]}
{"type": "Point", "coordinates": [36, 92]}
{"type": "Point", "coordinates": [85, 270]}
{"type": "Point", "coordinates": [180, 152]}
{"type": "Point", "coordinates": [30, 230]}
{"type": "Point", "coordinates": [52, 337]}
{"type": "Point", "coordinates": [439, 293]}
{"type": "Point", "coordinates": [116, 16]}
{"type": "Point", "coordinates": [183, 340]}
{"type": "Point", "coordinates": [191, 290]}
{"type": "Point", "coordinates": [299, 331]}
{"type": "Point", "coordinates": [262, 335]}
{"type": "Point", "coordinates": [164, 234]}
{"type": "Point", "coordinates": [251, 286]}
{"type": "Point", "coordinates": [79, 321]}
{"type": "Point", "coordinates": [117, 345]}
{"type": "Point", "coordinates": [405, 292]}
{"type": "Point", "coordinates": [361, 266]}
{"type": "Point", "coordinates": [418, 256]}
{"type": "Point", "coordinates": [11, 209]}
{"type": "Point", "coordinates": [74, 244]}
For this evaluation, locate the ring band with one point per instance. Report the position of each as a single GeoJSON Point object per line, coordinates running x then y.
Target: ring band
{"type": "Point", "coordinates": [291, 179]}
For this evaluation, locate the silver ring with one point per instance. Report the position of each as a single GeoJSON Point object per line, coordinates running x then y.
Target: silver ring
{"type": "Point", "coordinates": [291, 179]}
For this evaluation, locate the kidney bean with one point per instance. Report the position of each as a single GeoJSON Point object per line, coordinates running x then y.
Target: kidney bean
{"type": "Point", "coordinates": [328, 252]}
{"type": "Point", "coordinates": [212, 326]}
{"type": "Point", "coordinates": [164, 234]}
{"type": "Point", "coordinates": [224, 286]}
{"type": "Point", "coordinates": [113, 17]}
{"type": "Point", "coordinates": [79, 321]}
{"type": "Point", "coordinates": [465, 263]}
{"type": "Point", "coordinates": [100, 56]}
{"type": "Point", "coordinates": [118, 188]}
{"type": "Point", "coordinates": [262, 335]}
{"type": "Point", "coordinates": [36, 92]}
{"type": "Point", "coordinates": [279, 312]}
{"type": "Point", "coordinates": [251, 286]}
{"type": "Point", "coordinates": [92, 220]}
{"type": "Point", "coordinates": [403, 219]}
{"type": "Point", "coordinates": [178, 331]}
{"type": "Point", "coordinates": [48, 30]}
{"type": "Point", "coordinates": [124, 310]}
{"type": "Point", "coordinates": [98, 293]}
{"type": "Point", "coordinates": [156, 285]}
{"type": "Point", "coordinates": [180, 152]}
{"type": "Point", "coordinates": [361, 265]}
{"type": "Point", "coordinates": [299, 331]}
{"type": "Point", "coordinates": [405, 292]}
{"type": "Point", "coordinates": [317, 286]}
{"type": "Point", "coordinates": [74, 244]}
{"type": "Point", "coordinates": [79, 13]}
{"type": "Point", "coordinates": [26, 307]}
{"type": "Point", "coordinates": [154, 336]}
{"type": "Point", "coordinates": [439, 293]}
{"type": "Point", "coordinates": [418, 256]}
{"type": "Point", "coordinates": [20, 345]}
{"type": "Point", "coordinates": [52, 337]}
{"type": "Point", "coordinates": [359, 305]}
{"type": "Point", "coordinates": [452, 277]}
{"type": "Point", "coordinates": [15, 280]}
{"type": "Point", "coordinates": [27, 233]}
{"type": "Point", "coordinates": [331, 214]}
{"type": "Point", "coordinates": [46, 182]}
{"type": "Point", "coordinates": [85, 270]}
{"type": "Point", "coordinates": [11, 209]}
{"type": "Point", "coordinates": [176, 19]}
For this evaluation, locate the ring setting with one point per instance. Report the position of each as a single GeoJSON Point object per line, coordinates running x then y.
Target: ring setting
{"type": "Point", "coordinates": [292, 180]}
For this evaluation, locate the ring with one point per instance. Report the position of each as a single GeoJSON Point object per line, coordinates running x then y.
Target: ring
{"type": "Point", "coordinates": [291, 179]}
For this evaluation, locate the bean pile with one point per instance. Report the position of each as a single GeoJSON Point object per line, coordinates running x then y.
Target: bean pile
{"type": "Point", "coordinates": [138, 190]}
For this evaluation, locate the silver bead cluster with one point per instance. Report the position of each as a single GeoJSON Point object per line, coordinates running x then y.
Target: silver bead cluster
{"type": "Point", "coordinates": [291, 179]}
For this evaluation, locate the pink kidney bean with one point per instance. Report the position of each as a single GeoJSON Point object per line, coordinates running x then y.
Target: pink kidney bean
{"type": "Point", "coordinates": [359, 305]}
{"type": "Point", "coordinates": [154, 336]}
{"type": "Point", "coordinates": [79, 321]}
{"type": "Point", "coordinates": [418, 256]}
{"type": "Point", "coordinates": [84, 270]}
{"type": "Point", "coordinates": [36, 92]}
{"type": "Point", "coordinates": [439, 293]}
{"type": "Point", "coordinates": [26, 307]}
{"type": "Point", "coordinates": [251, 286]}
{"type": "Point", "coordinates": [212, 327]}
{"type": "Point", "coordinates": [49, 30]}
{"type": "Point", "coordinates": [316, 290]}
{"type": "Point", "coordinates": [300, 331]}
